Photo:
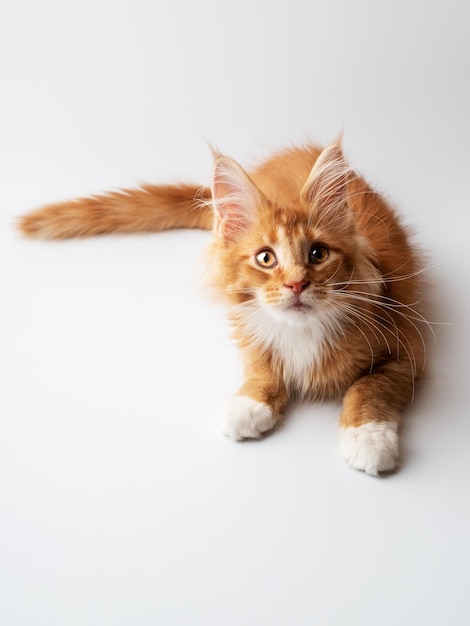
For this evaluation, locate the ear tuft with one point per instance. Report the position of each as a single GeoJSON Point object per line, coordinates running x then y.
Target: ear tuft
{"type": "Point", "coordinates": [325, 192]}
{"type": "Point", "coordinates": [235, 198]}
{"type": "Point", "coordinates": [328, 178]}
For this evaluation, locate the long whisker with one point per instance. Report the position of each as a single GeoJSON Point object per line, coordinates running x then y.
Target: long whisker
{"type": "Point", "coordinates": [349, 317]}
{"type": "Point", "coordinates": [370, 320]}
{"type": "Point", "coordinates": [383, 306]}
{"type": "Point", "coordinates": [384, 278]}
{"type": "Point", "coordinates": [365, 318]}
{"type": "Point", "coordinates": [393, 305]}
{"type": "Point", "coordinates": [397, 332]}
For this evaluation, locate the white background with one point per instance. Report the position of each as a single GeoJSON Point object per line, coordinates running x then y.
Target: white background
{"type": "Point", "coordinates": [121, 503]}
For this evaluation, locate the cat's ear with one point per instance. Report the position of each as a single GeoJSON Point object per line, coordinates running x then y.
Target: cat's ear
{"type": "Point", "coordinates": [326, 189]}
{"type": "Point", "coordinates": [235, 199]}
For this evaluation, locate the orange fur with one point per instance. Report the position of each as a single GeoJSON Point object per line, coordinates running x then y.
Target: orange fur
{"type": "Point", "coordinates": [150, 208]}
{"type": "Point", "coordinates": [319, 277]}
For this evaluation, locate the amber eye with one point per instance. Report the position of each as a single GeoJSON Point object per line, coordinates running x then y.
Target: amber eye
{"type": "Point", "coordinates": [318, 254]}
{"type": "Point", "coordinates": [266, 258]}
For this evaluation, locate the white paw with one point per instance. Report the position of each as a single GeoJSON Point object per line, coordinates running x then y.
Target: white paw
{"type": "Point", "coordinates": [245, 418]}
{"type": "Point", "coordinates": [372, 447]}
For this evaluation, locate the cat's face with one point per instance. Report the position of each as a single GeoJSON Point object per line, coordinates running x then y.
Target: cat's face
{"type": "Point", "coordinates": [293, 263]}
{"type": "Point", "coordinates": [292, 268]}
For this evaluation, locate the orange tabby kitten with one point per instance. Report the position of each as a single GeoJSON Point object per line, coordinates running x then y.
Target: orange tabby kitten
{"type": "Point", "coordinates": [320, 280]}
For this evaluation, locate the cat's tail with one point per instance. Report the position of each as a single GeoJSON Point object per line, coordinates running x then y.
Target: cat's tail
{"type": "Point", "coordinates": [149, 208]}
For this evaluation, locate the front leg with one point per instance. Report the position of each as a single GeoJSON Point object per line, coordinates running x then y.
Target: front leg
{"type": "Point", "coordinates": [370, 419]}
{"type": "Point", "coordinates": [258, 406]}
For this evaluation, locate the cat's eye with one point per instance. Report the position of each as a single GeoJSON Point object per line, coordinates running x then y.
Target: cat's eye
{"type": "Point", "coordinates": [318, 254]}
{"type": "Point", "coordinates": [266, 258]}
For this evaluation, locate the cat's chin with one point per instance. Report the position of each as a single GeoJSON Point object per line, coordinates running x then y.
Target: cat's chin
{"type": "Point", "coordinates": [299, 307]}
{"type": "Point", "coordinates": [294, 314]}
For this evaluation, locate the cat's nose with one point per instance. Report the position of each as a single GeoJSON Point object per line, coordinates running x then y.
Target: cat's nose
{"type": "Point", "coordinates": [297, 286]}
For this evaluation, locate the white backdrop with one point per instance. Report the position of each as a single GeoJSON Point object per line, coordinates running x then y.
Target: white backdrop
{"type": "Point", "coordinates": [120, 501]}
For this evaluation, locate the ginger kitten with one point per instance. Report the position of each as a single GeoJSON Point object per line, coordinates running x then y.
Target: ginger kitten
{"type": "Point", "coordinates": [320, 281]}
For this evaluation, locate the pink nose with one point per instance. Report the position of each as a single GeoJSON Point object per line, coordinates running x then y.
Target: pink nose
{"type": "Point", "coordinates": [297, 286]}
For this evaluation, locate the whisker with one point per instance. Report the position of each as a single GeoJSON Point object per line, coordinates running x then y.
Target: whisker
{"type": "Point", "coordinates": [326, 281]}
{"type": "Point", "coordinates": [370, 321]}
{"type": "Point", "coordinates": [393, 305]}
{"type": "Point", "coordinates": [403, 315]}
{"type": "Point", "coordinates": [395, 279]}
{"type": "Point", "coordinates": [404, 343]}
{"type": "Point", "coordinates": [348, 317]}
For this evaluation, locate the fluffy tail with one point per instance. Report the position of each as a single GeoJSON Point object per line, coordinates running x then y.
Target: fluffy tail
{"type": "Point", "coordinates": [149, 208]}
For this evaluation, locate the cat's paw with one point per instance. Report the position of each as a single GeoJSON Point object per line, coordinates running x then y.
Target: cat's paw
{"type": "Point", "coordinates": [245, 418]}
{"type": "Point", "coordinates": [372, 447]}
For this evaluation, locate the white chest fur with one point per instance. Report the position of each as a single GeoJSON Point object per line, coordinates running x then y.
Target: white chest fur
{"type": "Point", "coordinates": [297, 341]}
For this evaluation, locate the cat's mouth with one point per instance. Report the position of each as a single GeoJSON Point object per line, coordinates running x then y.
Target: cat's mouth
{"type": "Point", "coordinates": [298, 307]}
{"type": "Point", "coordinates": [292, 308]}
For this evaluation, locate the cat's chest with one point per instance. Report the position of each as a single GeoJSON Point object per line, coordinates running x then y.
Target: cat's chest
{"type": "Point", "coordinates": [298, 350]}
{"type": "Point", "coordinates": [310, 357]}
{"type": "Point", "coordinates": [315, 365]}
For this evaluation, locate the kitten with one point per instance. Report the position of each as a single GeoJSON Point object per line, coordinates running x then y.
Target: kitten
{"type": "Point", "coordinates": [320, 281]}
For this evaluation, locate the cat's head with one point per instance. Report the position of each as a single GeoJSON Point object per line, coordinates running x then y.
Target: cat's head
{"type": "Point", "coordinates": [289, 262]}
